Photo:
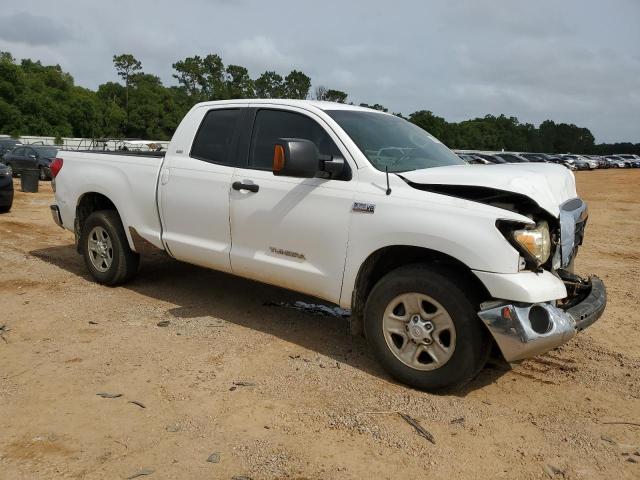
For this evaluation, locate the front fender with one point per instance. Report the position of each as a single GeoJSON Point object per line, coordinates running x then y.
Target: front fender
{"type": "Point", "coordinates": [457, 228]}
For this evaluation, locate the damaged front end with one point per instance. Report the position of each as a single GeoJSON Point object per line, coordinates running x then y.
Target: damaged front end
{"type": "Point", "coordinates": [525, 330]}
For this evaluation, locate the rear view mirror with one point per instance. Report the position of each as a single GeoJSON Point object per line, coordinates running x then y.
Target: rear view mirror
{"type": "Point", "coordinates": [294, 157]}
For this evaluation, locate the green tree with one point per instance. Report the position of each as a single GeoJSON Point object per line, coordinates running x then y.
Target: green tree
{"type": "Point", "coordinates": [202, 78]}
{"type": "Point", "coordinates": [436, 126]}
{"type": "Point", "coordinates": [239, 83]}
{"type": "Point", "coordinates": [296, 85]}
{"type": "Point", "coordinates": [375, 106]}
{"type": "Point", "coordinates": [126, 65]}
{"type": "Point", "coordinates": [269, 85]}
{"type": "Point", "coordinates": [330, 95]}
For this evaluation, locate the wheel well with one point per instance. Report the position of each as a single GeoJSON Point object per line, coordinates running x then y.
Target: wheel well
{"type": "Point", "coordinates": [382, 261]}
{"type": "Point", "coordinates": [89, 203]}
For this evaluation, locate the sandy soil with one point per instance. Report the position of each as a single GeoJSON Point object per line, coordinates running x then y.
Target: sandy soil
{"type": "Point", "coordinates": [316, 404]}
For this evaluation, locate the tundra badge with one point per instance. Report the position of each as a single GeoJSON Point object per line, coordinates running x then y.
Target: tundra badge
{"type": "Point", "coordinates": [364, 207]}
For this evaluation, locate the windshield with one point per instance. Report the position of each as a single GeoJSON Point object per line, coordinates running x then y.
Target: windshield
{"type": "Point", "coordinates": [391, 142]}
{"type": "Point", "coordinates": [47, 152]}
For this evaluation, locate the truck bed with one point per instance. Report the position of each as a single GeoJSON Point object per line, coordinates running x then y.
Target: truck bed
{"type": "Point", "coordinates": [129, 153]}
{"type": "Point", "coordinates": [127, 179]}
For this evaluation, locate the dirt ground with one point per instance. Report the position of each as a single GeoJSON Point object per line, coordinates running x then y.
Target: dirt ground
{"type": "Point", "coordinates": [315, 405]}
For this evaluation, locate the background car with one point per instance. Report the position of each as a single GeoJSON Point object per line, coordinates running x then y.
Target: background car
{"type": "Point", "coordinates": [602, 163]}
{"type": "Point", "coordinates": [6, 188]}
{"type": "Point", "coordinates": [535, 157]}
{"type": "Point", "coordinates": [29, 157]}
{"type": "Point", "coordinates": [511, 158]}
{"type": "Point", "coordinates": [579, 162]}
{"type": "Point", "coordinates": [8, 144]}
{"type": "Point", "coordinates": [630, 160]}
{"type": "Point", "coordinates": [489, 157]}
{"type": "Point", "coordinates": [615, 161]}
{"type": "Point", "coordinates": [473, 159]}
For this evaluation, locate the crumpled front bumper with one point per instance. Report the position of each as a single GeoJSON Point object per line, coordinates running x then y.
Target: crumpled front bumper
{"type": "Point", "coordinates": [526, 330]}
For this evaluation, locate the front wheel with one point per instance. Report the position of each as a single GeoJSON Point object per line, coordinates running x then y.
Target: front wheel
{"type": "Point", "coordinates": [424, 330]}
{"type": "Point", "coordinates": [106, 250]}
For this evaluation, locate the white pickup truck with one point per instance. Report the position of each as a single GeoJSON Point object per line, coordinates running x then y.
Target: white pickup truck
{"type": "Point", "coordinates": [437, 259]}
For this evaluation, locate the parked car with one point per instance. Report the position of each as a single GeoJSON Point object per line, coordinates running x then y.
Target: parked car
{"type": "Point", "coordinates": [437, 260]}
{"type": "Point", "coordinates": [615, 161]}
{"type": "Point", "coordinates": [600, 161]}
{"type": "Point", "coordinates": [579, 162]}
{"type": "Point", "coordinates": [630, 160]}
{"type": "Point", "coordinates": [8, 144]}
{"type": "Point", "coordinates": [473, 159]}
{"type": "Point", "coordinates": [31, 157]}
{"type": "Point", "coordinates": [535, 157]}
{"type": "Point", "coordinates": [511, 158]}
{"type": "Point", "coordinates": [490, 158]}
{"type": "Point", "coordinates": [6, 188]}
{"type": "Point", "coordinates": [555, 159]}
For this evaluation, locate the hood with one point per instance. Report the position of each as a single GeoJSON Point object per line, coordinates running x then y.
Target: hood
{"type": "Point", "coordinates": [547, 185]}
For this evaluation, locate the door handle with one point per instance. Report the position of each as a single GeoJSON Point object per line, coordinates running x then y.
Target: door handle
{"type": "Point", "coordinates": [245, 186]}
{"type": "Point", "coordinates": [164, 179]}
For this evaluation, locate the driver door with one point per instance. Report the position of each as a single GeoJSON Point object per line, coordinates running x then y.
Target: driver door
{"type": "Point", "coordinates": [290, 232]}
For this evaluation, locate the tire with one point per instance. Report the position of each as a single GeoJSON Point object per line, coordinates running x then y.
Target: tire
{"type": "Point", "coordinates": [456, 335]}
{"type": "Point", "coordinates": [105, 249]}
{"type": "Point", "coordinates": [5, 209]}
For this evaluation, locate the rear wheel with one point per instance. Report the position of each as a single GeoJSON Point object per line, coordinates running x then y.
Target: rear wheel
{"type": "Point", "coordinates": [424, 330]}
{"type": "Point", "coordinates": [106, 250]}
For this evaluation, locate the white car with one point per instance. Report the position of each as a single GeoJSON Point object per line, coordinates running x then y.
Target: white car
{"type": "Point", "coordinates": [615, 161]}
{"type": "Point", "coordinates": [591, 163]}
{"type": "Point", "coordinates": [438, 260]}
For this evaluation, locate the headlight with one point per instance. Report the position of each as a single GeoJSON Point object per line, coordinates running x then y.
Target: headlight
{"type": "Point", "coordinates": [533, 242]}
{"type": "Point", "coordinates": [536, 242]}
{"type": "Point", "coordinates": [5, 172]}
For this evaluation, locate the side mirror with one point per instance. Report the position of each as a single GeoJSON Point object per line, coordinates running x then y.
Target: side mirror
{"type": "Point", "coordinates": [295, 157]}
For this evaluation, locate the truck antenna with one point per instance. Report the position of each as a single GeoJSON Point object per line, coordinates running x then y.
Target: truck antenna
{"type": "Point", "coordinates": [386, 170]}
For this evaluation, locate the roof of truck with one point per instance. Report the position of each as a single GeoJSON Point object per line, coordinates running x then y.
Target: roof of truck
{"type": "Point", "coordinates": [322, 105]}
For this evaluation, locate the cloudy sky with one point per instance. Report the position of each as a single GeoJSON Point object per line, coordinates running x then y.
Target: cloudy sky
{"type": "Point", "coordinates": [574, 61]}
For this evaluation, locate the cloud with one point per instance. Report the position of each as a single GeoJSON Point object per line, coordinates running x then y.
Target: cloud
{"type": "Point", "coordinates": [259, 52]}
{"type": "Point", "coordinates": [34, 30]}
{"type": "Point", "coordinates": [574, 61]}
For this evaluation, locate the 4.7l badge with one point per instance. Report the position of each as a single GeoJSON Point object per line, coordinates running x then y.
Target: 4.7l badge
{"type": "Point", "coordinates": [364, 207]}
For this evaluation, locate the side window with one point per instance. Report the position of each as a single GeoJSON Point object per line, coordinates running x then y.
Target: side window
{"type": "Point", "coordinates": [271, 125]}
{"type": "Point", "coordinates": [19, 151]}
{"type": "Point", "coordinates": [216, 136]}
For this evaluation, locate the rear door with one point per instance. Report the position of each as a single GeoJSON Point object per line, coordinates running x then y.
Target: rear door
{"type": "Point", "coordinates": [30, 158]}
{"type": "Point", "coordinates": [193, 190]}
{"type": "Point", "coordinates": [17, 159]}
{"type": "Point", "coordinates": [291, 232]}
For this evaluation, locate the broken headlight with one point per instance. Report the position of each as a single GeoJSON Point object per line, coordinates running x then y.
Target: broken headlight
{"type": "Point", "coordinates": [533, 242]}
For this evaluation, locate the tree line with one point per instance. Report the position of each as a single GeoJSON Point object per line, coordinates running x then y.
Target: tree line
{"type": "Point", "coordinates": [37, 99]}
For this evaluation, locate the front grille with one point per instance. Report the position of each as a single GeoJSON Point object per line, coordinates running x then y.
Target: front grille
{"type": "Point", "coordinates": [573, 219]}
